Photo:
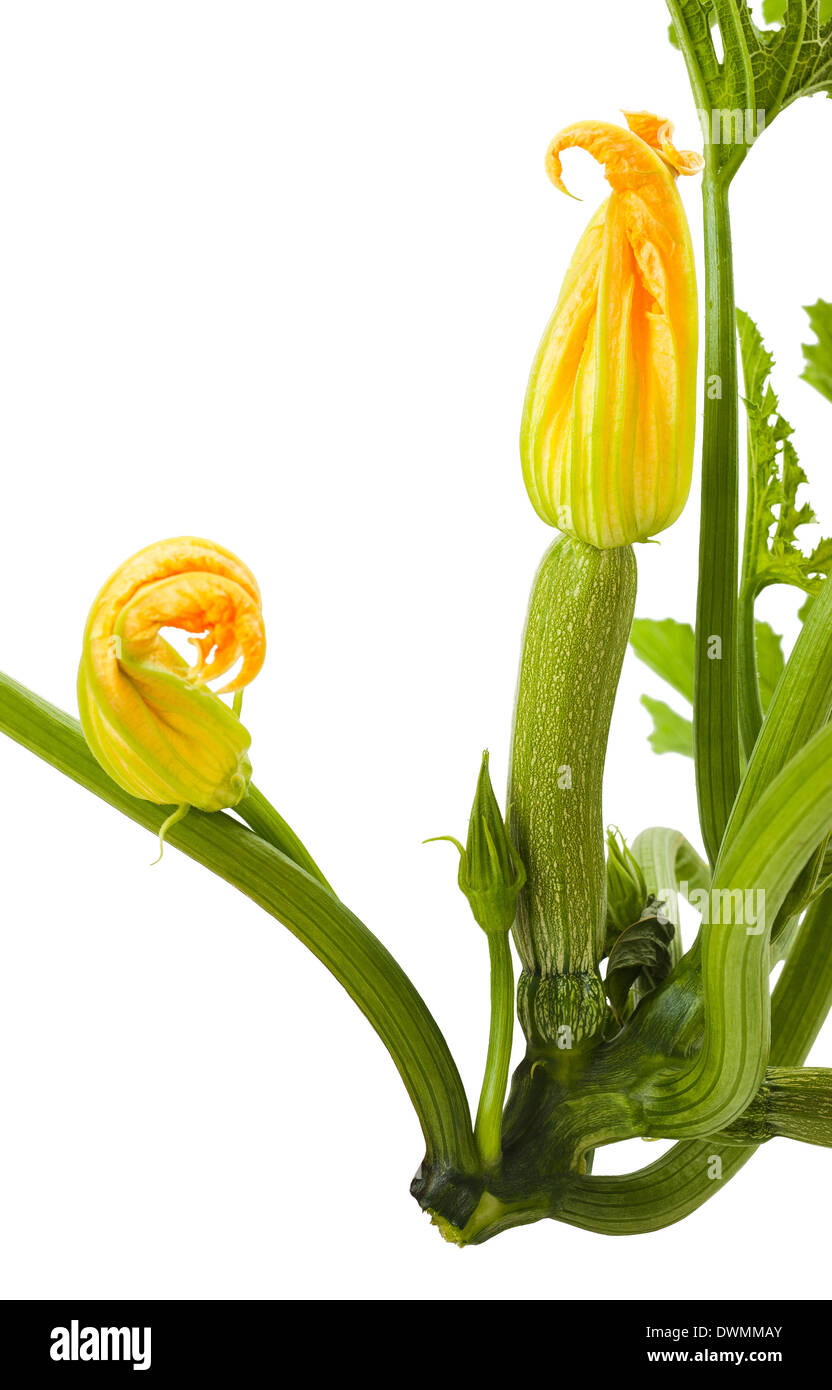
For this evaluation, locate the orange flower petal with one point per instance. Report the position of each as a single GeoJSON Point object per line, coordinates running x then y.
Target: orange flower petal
{"type": "Point", "coordinates": [608, 423]}
{"type": "Point", "coordinates": [656, 132]}
{"type": "Point", "coordinates": [151, 721]}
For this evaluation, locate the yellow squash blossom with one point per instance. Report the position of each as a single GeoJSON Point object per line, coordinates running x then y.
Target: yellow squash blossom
{"type": "Point", "coordinates": [151, 721]}
{"type": "Point", "coordinates": [608, 424]}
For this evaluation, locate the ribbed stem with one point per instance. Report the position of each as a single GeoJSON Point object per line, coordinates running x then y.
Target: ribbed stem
{"type": "Point", "coordinates": [368, 972]}
{"type": "Point", "coordinates": [715, 707]}
{"type": "Point", "coordinates": [801, 705]}
{"type": "Point", "coordinates": [753, 875]}
{"type": "Point", "coordinates": [792, 1103]}
{"type": "Point", "coordinates": [684, 1178]}
{"type": "Point", "coordinates": [750, 704]}
{"type": "Point", "coordinates": [266, 822]}
{"type": "Point", "coordinates": [488, 1127]}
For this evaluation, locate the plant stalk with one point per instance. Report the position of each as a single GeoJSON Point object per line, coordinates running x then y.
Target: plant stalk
{"type": "Point", "coordinates": [488, 1126]}
{"type": "Point", "coordinates": [715, 703]}
{"type": "Point", "coordinates": [684, 1178]}
{"type": "Point", "coordinates": [265, 821]}
{"type": "Point", "coordinates": [449, 1180]}
{"type": "Point", "coordinates": [750, 704]}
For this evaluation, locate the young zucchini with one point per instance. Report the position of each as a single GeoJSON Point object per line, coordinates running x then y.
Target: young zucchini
{"type": "Point", "coordinates": [576, 634]}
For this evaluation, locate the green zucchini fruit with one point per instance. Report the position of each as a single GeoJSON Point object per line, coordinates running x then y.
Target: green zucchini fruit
{"type": "Point", "coordinates": [577, 628]}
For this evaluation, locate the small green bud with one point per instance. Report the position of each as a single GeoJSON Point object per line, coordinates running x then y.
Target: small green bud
{"type": "Point", "coordinates": [490, 871]}
{"type": "Point", "coordinates": [626, 888]}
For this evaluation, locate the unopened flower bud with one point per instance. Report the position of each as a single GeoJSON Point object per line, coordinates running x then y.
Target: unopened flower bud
{"type": "Point", "coordinates": [626, 888]}
{"type": "Point", "coordinates": [150, 720]}
{"type": "Point", "coordinates": [490, 871]}
{"type": "Point", "coordinates": [608, 424]}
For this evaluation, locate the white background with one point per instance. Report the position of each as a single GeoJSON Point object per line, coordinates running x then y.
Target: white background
{"type": "Point", "coordinates": [274, 274]}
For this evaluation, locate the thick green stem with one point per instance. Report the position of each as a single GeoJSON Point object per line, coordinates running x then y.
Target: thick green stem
{"type": "Point", "coordinates": [753, 875]}
{"type": "Point", "coordinates": [802, 996]}
{"type": "Point", "coordinates": [792, 1103]}
{"type": "Point", "coordinates": [449, 1180]}
{"type": "Point", "coordinates": [802, 704]}
{"type": "Point", "coordinates": [667, 859]}
{"type": "Point", "coordinates": [715, 707]}
{"type": "Point", "coordinates": [679, 1182]}
{"type": "Point", "coordinates": [666, 1075]}
{"type": "Point", "coordinates": [266, 822]}
{"type": "Point", "coordinates": [488, 1127]}
{"type": "Point", "coordinates": [750, 704]}
{"type": "Point", "coordinates": [684, 1178]}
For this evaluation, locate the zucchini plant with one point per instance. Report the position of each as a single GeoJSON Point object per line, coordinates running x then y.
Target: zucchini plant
{"type": "Point", "coordinates": [627, 1034]}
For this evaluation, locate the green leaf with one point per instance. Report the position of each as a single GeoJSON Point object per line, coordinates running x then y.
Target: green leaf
{"type": "Point", "coordinates": [818, 369]}
{"type": "Point", "coordinates": [672, 732]}
{"type": "Point", "coordinates": [640, 958]}
{"type": "Point", "coordinates": [773, 10]}
{"type": "Point", "coordinates": [762, 70]}
{"type": "Point", "coordinates": [770, 661]}
{"type": "Point", "coordinates": [667, 648]}
{"type": "Point", "coordinates": [771, 554]}
{"type": "Point", "coordinates": [757, 362]}
{"type": "Point", "coordinates": [790, 62]}
{"type": "Point", "coordinates": [707, 6]}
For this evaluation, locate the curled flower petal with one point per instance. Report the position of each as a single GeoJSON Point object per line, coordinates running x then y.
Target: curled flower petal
{"type": "Point", "coordinates": [608, 424]}
{"type": "Point", "coordinates": [657, 132]}
{"type": "Point", "coordinates": [151, 720]}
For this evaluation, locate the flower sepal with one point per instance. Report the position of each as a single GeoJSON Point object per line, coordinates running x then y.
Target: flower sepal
{"type": "Point", "coordinates": [491, 872]}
